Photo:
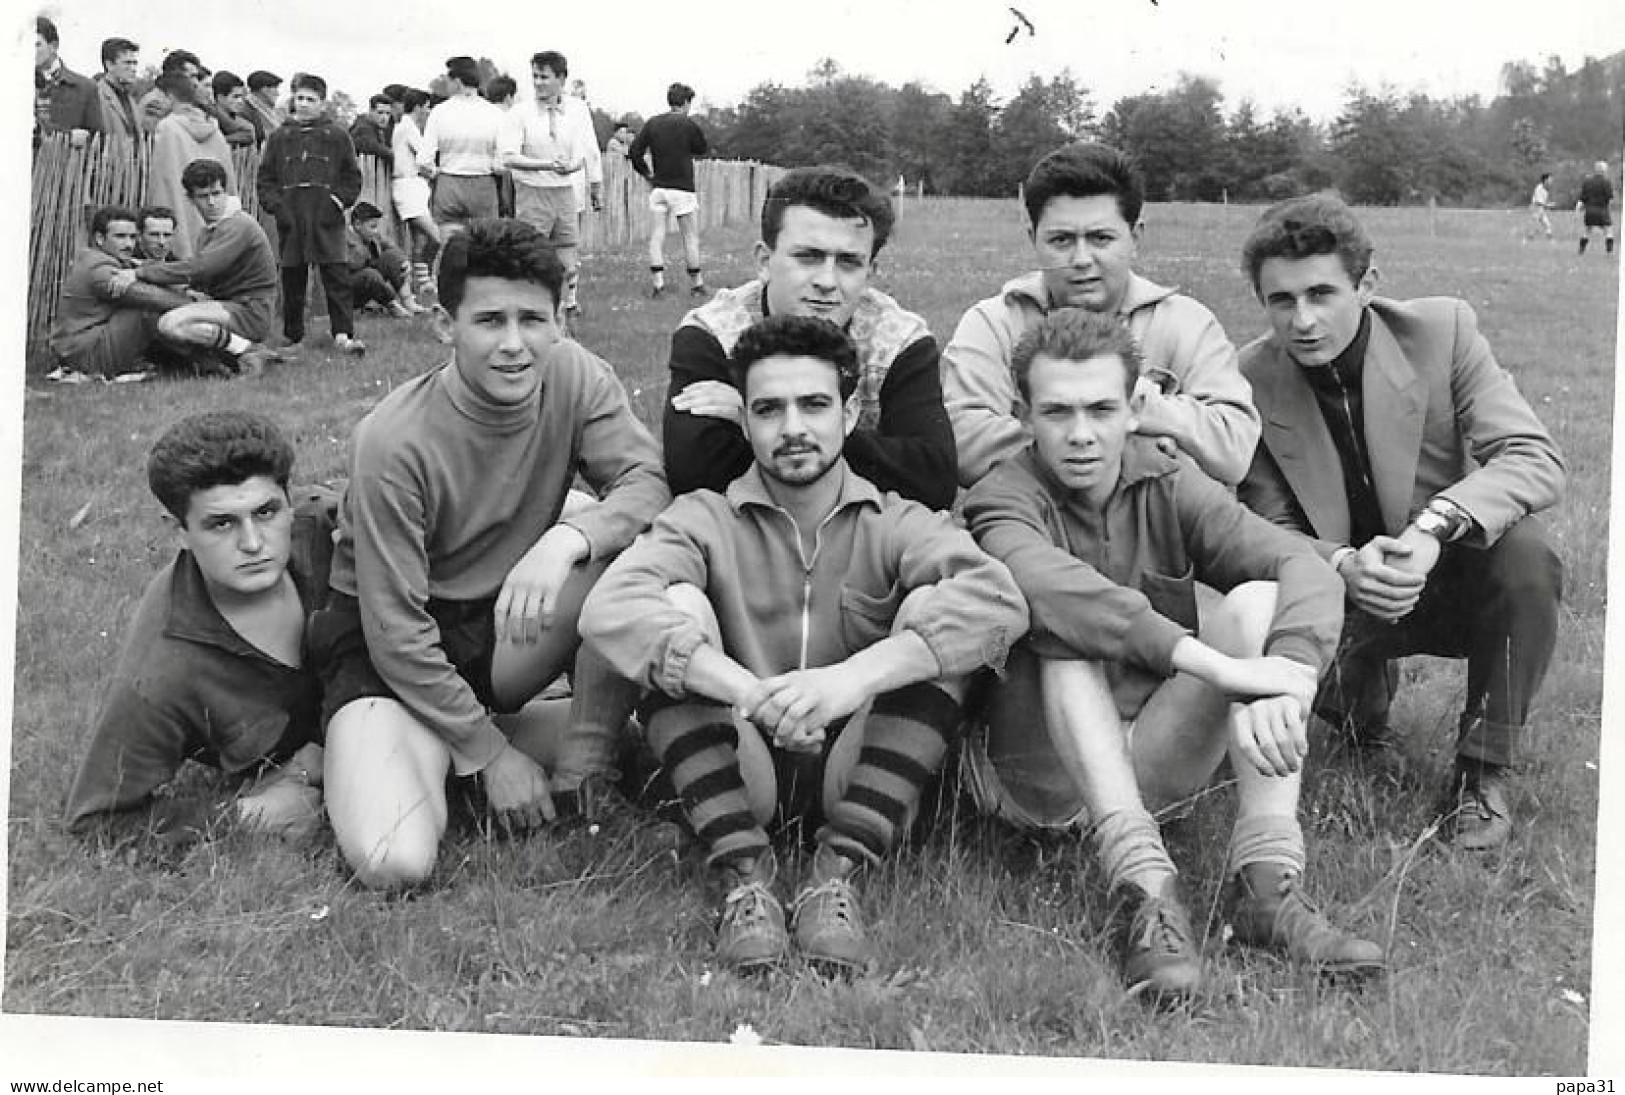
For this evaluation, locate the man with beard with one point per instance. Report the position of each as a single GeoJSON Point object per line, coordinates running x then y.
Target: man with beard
{"type": "Point", "coordinates": [804, 637]}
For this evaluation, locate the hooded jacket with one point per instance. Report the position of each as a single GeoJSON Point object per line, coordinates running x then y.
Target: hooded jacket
{"type": "Point", "coordinates": [308, 177]}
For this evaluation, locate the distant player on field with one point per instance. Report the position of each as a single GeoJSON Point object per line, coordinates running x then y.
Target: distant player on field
{"type": "Point", "coordinates": [1596, 196]}
{"type": "Point", "coordinates": [672, 140]}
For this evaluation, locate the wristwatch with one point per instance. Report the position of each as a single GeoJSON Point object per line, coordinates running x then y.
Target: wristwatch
{"type": "Point", "coordinates": [1432, 523]}
{"type": "Point", "coordinates": [1443, 520]}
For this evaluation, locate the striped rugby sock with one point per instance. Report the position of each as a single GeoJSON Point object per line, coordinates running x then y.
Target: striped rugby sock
{"type": "Point", "coordinates": [698, 745]}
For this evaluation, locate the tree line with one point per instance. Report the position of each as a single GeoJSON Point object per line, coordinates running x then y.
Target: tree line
{"type": "Point", "coordinates": [1385, 147]}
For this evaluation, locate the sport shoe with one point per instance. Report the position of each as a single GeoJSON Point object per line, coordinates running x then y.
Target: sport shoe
{"type": "Point", "coordinates": [349, 344]}
{"type": "Point", "coordinates": [751, 933]}
{"type": "Point", "coordinates": [1156, 943]}
{"type": "Point", "coordinates": [1478, 817]}
{"type": "Point", "coordinates": [696, 290]}
{"type": "Point", "coordinates": [1268, 909]}
{"type": "Point", "coordinates": [825, 917]}
{"type": "Point", "coordinates": [140, 376]}
{"type": "Point", "coordinates": [67, 374]}
{"type": "Point", "coordinates": [656, 292]}
{"type": "Point", "coordinates": [254, 361]}
{"type": "Point", "coordinates": [399, 310]}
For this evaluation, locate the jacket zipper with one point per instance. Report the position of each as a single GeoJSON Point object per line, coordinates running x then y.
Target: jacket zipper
{"type": "Point", "coordinates": [806, 573]}
{"type": "Point", "coordinates": [1354, 439]}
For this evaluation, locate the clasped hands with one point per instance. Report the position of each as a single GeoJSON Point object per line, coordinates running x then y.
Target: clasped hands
{"type": "Point", "coordinates": [793, 709]}
{"type": "Point", "coordinates": [1386, 577]}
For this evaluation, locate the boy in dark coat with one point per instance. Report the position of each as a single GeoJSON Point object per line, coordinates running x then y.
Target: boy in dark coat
{"type": "Point", "coordinates": [308, 177]}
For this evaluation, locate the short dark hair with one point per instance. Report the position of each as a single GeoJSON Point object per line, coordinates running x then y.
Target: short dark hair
{"type": "Point", "coordinates": [832, 191]}
{"type": "Point", "coordinates": [215, 449]}
{"type": "Point", "coordinates": [46, 30]}
{"type": "Point", "coordinates": [1082, 170]}
{"type": "Point", "coordinates": [307, 81]}
{"type": "Point", "coordinates": [500, 87]}
{"type": "Point", "coordinates": [177, 59]}
{"type": "Point", "coordinates": [393, 92]}
{"type": "Point", "coordinates": [107, 214]}
{"type": "Point", "coordinates": [365, 211]}
{"type": "Point", "coordinates": [380, 100]}
{"type": "Point", "coordinates": [114, 48]}
{"type": "Point", "coordinates": [497, 248]}
{"type": "Point", "coordinates": [464, 70]}
{"type": "Point", "coordinates": [259, 80]}
{"type": "Point", "coordinates": [1075, 334]}
{"type": "Point", "coordinates": [201, 174]}
{"type": "Point", "coordinates": [796, 336]}
{"type": "Point", "coordinates": [412, 98]}
{"type": "Point", "coordinates": [1544, 175]}
{"type": "Point", "coordinates": [678, 94]}
{"type": "Point", "coordinates": [553, 59]}
{"type": "Point", "coordinates": [151, 212]}
{"type": "Point", "coordinates": [1299, 228]}
{"type": "Point", "coordinates": [225, 82]}
{"type": "Point", "coordinates": [177, 85]}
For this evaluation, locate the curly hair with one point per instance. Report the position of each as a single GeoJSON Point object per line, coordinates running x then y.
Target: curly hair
{"type": "Point", "coordinates": [796, 336]}
{"type": "Point", "coordinates": [213, 449]}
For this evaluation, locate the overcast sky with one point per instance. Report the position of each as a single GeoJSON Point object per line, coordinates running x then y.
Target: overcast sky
{"type": "Point", "coordinates": [1279, 54]}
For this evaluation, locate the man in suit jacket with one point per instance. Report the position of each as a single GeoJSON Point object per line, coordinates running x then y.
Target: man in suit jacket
{"type": "Point", "coordinates": [1394, 440]}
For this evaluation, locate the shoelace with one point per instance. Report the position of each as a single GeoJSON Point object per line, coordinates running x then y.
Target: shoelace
{"type": "Point", "coordinates": [838, 890]}
{"type": "Point", "coordinates": [747, 903]}
{"type": "Point", "coordinates": [1160, 930]}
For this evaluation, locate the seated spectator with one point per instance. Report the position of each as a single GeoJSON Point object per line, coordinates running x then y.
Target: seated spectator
{"type": "Point", "coordinates": [157, 102]}
{"type": "Point", "coordinates": [377, 268]}
{"type": "Point", "coordinates": [214, 666]}
{"type": "Point", "coordinates": [102, 329]}
{"type": "Point", "coordinates": [185, 134]}
{"type": "Point", "coordinates": [822, 228]}
{"type": "Point", "coordinates": [156, 227]}
{"type": "Point", "coordinates": [1083, 206]}
{"type": "Point", "coordinates": [1130, 689]}
{"type": "Point", "coordinates": [802, 633]}
{"type": "Point", "coordinates": [74, 102]}
{"type": "Point", "coordinates": [263, 88]}
{"type": "Point", "coordinates": [230, 108]}
{"type": "Point", "coordinates": [121, 67]}
{"type": "Point", "coordinates": [231, 270]}
{"type": "Point", "coordinates": [370, 132]}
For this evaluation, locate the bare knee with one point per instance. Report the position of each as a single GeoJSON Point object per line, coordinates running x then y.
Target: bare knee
{"type": "Point", "coordinates": [397, 864]}
{"type": "Point", "coordinates": [1240, 623]}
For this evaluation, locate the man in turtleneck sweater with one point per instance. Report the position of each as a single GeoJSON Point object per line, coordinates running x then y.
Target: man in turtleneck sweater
{"type": "Point", "coordinates": [1394, 440]}
{"type": "Point", "coordinates": [460, 570]}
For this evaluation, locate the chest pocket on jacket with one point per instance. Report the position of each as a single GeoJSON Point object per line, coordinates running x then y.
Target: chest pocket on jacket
{"type": "Point", "coordinates": [1173, 596]}
{"type": "Point", "coordinates": [866, 618]}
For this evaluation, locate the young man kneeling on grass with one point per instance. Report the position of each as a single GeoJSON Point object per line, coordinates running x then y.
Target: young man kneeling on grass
{"type": "Point", "coordinates": [1112, 707]}
{"type": "Point", "coordinates": [803, 630]}
{"type": "Point", "coordinates": [459, 570]}
{"type": "Point", "coordinates": [214, 666]}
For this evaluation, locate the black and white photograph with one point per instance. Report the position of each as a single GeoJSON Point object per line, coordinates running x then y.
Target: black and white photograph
{"type": "Point", "coordinates": [755, 540]}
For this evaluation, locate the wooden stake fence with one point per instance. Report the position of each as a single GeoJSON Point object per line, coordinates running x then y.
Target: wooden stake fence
{"type": "Point", "coordinates": [70, 184]}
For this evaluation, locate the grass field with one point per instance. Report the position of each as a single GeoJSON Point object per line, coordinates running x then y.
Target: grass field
{"type": "Point", "coordinates": [991, 941]}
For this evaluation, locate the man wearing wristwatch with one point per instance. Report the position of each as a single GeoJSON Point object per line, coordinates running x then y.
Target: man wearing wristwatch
{"type": "Point", "coordinates": [1394, 440]}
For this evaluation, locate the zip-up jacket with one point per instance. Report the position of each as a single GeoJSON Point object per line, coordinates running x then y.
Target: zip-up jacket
{"type": "Point", "coordinates": [1203, 402]}
{"type": "Point", "coordinates": [781, 609]}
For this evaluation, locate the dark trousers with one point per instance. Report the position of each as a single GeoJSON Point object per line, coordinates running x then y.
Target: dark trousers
{"type": "Point", "coordinates": [336, 286]}
{"type": "Point", "coordinates": [1496, 607]}
{"type": "Point", "coordinates": [368, 286]}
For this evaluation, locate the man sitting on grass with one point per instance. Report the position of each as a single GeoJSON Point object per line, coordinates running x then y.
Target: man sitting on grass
{"type": "Point", "coordinates": [156, 224]}
{"type": "Point", "coordinates": [104, 323]}
{"type": "Point", "coordinates": [214, 666]}
{"type": "Point", "coordinates": [1126, 695]}
{"type": "Point", "coordinates": [822, 230]}
{"type": "Point", "coordinates": [802, 630]}
{"type": "Point", "coordinates": [378, 269]}
{"type": "Point", "coordinates": [459, 572]}
{"type": "Point", "coordinates": [232, 274]}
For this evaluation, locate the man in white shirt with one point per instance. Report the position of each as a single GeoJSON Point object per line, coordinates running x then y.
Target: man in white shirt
{"type": "Point", "coordinates": [459, 151]}
{"type": "Point", "coordinates": [545, 147]}
{"type": "Point", "coordinates": [1539, 202]}
{"type": "Point", "coordinates": [410, 190]}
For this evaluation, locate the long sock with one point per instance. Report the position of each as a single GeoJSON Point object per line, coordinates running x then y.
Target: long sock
{"type": "Point", "coordinates": [1131, 851]}
{"type": "Point", "coordinates": [698, 745]}
{"type": "Point", "coordinates": [1583, 241]}
{"type": "Point", "coordinates": [1608, 245]}
{"type": "Point", "coordinates": [659, 275]}
{"type": "Point", "coordinates": [229, 341]}
{"type": "Point", "coordinates": [1266, 838]}
{"type": "Point", "coordinates": [571, 280]}
{"type": "Point", "coordinates": [904, 740]}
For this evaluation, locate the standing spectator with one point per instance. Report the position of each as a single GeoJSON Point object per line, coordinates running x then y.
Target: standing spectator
{"type": "Point", "coordinates": [459, 151]}
{"type": "Point", "coordinates": [396, 93]}
{"type": "Point", "coordinates": [308, 177]}
{"type": "Point", "coordinates": [75, 104]}
{"type": "Point", "coordinates": [410, 190]}
{"type": "Point", "coordinates": [231, 109]}
{"type": "Point", "coordinates": [184, 134]}
{"type": "Point", "coordinates": [545, 150]}
{"type": "Point", "coordinates": [620, 142]}
{"type": "Point", "coordinates": [377, 267]}
{"type": "Point", "coordinates": [262, 108]}
{"type": "Point", "coordinates": [1539, 202]}
{"type": "Point", "coordinates": [672, 140]}
{"type": "Point", "coordinates": [370, 132]}
{"type": "Point", "coordinates": [157, 103]}
{"type": "Point", "coordinates": [1596, 196]}
{"type": "Point", "coordinates": [589, 184]}
{"type": "Point", "coordinates": [121, 59]}
{"type": "Point", "coordinates": [499, 92]}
